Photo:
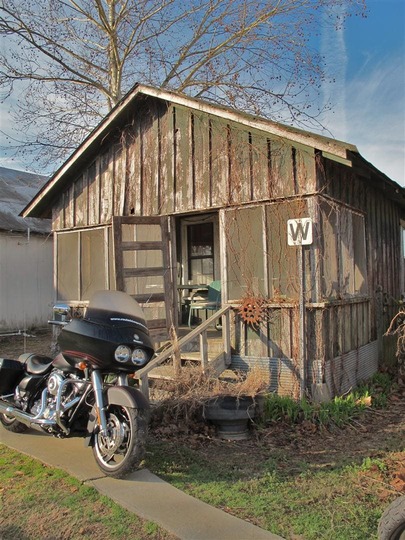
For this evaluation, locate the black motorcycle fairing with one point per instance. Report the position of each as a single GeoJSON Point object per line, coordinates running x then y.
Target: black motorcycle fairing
{"type": "Point", "coordinates": [112, 318]}
{"type": "Point", "coordinates": [95, 343]}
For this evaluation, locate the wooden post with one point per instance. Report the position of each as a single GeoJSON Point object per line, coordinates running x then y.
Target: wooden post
{"type": "Point", "coordinates": [302, 342]}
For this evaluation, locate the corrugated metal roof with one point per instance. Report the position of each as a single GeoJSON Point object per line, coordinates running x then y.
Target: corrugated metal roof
{"type": "Point", "coordinates": [17, 188]}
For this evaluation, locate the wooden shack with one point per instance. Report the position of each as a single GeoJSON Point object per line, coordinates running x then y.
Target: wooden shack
{"type": "Point", "coordinates": [170, 192]}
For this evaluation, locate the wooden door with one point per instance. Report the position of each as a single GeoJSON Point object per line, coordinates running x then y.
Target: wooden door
{"type": "Point", "coordinates": [143, 270]}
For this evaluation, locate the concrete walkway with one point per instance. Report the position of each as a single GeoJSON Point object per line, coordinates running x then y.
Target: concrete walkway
{"type": "Point", "coordinates": [142, 492]}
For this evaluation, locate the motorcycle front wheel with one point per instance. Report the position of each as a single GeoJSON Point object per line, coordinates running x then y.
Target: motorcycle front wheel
{"type": "Point", "coordinates": [121, 450]}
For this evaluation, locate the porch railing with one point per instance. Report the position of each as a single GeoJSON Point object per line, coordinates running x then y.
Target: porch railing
{"type": "Point", "coordinates": [174, 350]}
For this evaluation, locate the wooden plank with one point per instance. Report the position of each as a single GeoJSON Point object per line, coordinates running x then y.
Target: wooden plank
{"type": "Point", "coordinates": [329, 247]}
{"type": "Point", "coordinates": [183, 166]}
{"type": "Point", "coordinates": [281, 169]}
{"type": "Point", "coordinates": [119, 177]}
{"type": "Point", "coordinates": [117, 240]}
{"type": "Point", "coordinates": [106, 185]}
{"type": "Point", "coordinates": [93, 183]}
{"type": "Point", "coordinates": [150, 161]}
{"type": "Point", "coordinates": [81, 201]}
{"type": "Point", "coordinates": [240, 182]}
{"type": "Point", "coordinates": [166, 162]}
{"type": "Point", "coordinates": [143, 272]}
{"type": "Point", "coordinates": [148, 298]}
{"type": "Point", "coordinates": [58, 215]}
{"type": "Point", "coordinates": [69, 207]}
{"type": "Point", "coordinates": [260, 167]}
{"type": "Point", "coordinates": [133, 195]}
{"type": "Point", "coordinates": [220, 162]}
{"type": "Point", "coordinates": [145, 220]}
{"type": "Point", "coordinates": [201, 161]}
{"type": "Point", "coordinates": [305, 170]}
{"type": "Point", "coordinates": [140, 246]}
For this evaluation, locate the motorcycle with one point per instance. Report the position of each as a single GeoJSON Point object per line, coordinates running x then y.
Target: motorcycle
{"type": "Point", "coordinates": [84, 391]}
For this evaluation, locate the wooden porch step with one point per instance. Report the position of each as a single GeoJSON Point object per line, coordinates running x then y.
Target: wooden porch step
{"type": "Point", "coordinates": [162, 373]}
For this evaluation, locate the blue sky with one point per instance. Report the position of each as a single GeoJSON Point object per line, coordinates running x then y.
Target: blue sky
{"type": "Point", "coordinates": [369, 94]}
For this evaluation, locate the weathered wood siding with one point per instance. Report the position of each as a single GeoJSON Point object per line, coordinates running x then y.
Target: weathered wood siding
{"type": "Point", "coordinates": [171, 160]}
{"type": "Point", "coordinates": [383, 236]}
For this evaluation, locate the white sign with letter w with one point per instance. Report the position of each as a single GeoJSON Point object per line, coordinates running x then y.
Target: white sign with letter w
{"type": "Point", "coordinates": [299, 232]}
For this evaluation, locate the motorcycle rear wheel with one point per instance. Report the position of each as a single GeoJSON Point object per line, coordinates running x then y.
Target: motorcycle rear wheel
{"type": "Point", "coordinates": [12, 424]}
{"type": "Point", "coordinates": [122, 450]}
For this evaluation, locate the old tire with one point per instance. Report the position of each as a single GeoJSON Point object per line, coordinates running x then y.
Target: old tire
{"type": "Point", "coordinates": [12, 424]}
{"type": "Point", "coordinates": [392, 522]}
{"type": "Point", "coordinates": [122, 450]}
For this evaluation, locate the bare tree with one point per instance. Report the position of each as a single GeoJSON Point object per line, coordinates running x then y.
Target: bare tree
{"type": "Point", "coordinates": [65, 63]}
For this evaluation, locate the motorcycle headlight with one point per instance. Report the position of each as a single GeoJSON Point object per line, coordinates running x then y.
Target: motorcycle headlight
{"type": "Point", "coordinates": [139, 357]}
{"type": "Point", "coordinates": [122, 353]}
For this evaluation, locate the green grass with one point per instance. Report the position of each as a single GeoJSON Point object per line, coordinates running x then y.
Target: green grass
{"type": "Point", "coordinates": [285, 498]}
{"type": "Point", "coordinates": [290, 490]}
{"type": "Point", "coordinates": [41, 502]}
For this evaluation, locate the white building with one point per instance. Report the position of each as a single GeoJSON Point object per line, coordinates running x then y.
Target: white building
{"type": "Point", "coordinates": [26, 255]}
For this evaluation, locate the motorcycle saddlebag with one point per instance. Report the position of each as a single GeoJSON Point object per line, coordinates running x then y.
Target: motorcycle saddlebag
{"type": "Point", "coordinates": [11, 371]}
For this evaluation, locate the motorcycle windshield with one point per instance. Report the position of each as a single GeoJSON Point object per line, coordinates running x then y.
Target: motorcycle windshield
{"type": "Point", "coordinates": [114, 308]}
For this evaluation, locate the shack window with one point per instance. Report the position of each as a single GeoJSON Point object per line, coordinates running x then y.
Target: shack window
{"type": "Point", "coordinates": [83, 264]}
{"type": "Point", "coordinates": [344, 252]}
{"type": "Point", "coordinates": [200, 237]}
{"type": "Point", "coordinates": [245, 262]}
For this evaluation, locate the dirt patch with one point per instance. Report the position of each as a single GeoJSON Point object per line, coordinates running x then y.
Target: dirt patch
{"type": "Point", "coordinates": [36, 341]}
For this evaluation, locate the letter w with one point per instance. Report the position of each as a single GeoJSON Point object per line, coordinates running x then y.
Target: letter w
{"type": "Point", "coordinates": [300, 232]}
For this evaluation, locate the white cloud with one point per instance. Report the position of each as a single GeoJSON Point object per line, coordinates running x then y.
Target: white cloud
{"type": "Point", "coordinates": [368, 110]}
{"type": "Point", "coordinates": [333, 48]}
{"type": "Point", "coordinates": [375, 105]}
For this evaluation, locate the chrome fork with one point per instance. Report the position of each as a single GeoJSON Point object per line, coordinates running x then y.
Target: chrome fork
{"type": "Point", "coordinates": [97, 382]}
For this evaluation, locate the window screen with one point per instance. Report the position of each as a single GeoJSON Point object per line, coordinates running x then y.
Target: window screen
{"type": "Point", "coordinates": [83, 264]}
{"type": "Point", "coordinates": [244, 252]}
{"type": "Point", "coordinates": [344, 264]}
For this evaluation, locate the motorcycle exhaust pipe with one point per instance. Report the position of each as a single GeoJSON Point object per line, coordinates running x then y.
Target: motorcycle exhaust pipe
{"type": "Point", "coordinates": [25, 418]}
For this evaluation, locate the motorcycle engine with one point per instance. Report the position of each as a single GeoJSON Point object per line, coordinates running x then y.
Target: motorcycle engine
{"type": "Point", "coordinates": [54, 382]}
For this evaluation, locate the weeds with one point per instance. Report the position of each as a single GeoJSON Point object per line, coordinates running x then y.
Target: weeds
{"type": "Point", "coordinates": [185, 398]}
{"type": "Point", "coordinates": [339, 411]}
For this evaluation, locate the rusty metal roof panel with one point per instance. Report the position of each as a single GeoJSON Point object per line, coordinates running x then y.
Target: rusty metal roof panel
{"type": "Point", "coordinates": [17, 188]}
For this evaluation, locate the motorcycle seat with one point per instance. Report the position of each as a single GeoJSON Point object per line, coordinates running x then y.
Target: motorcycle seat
{"type": "Point", "coordinates": [36, 364]}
